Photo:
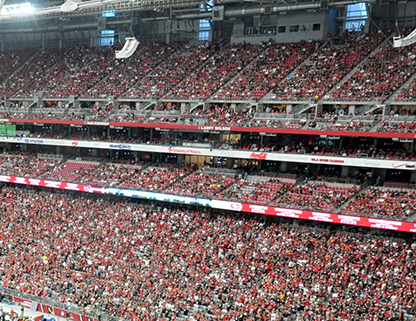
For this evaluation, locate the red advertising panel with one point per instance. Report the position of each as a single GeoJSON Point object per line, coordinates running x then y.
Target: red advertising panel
{"type": "Point", "coordinates": [52, 184]}
{"type": "Point", "coordinates": [22, 302]}
{"type": "Point", "coordinates": [329, 217]}
{"type": "Point", "coordinates": [62, 313]}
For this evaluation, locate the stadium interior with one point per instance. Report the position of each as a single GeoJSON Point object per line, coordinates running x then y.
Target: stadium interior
{"type": "Point", "coordinates": [183, 160]}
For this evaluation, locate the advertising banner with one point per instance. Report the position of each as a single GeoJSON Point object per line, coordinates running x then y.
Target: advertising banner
{"type": "Point", "coordinates": [317, 216]}
{"type": "Point", "coordinates": [269, 156]}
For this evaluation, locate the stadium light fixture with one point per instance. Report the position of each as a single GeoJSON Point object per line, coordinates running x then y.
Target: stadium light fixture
{"type": "Point", "coordinates": [17, 9]}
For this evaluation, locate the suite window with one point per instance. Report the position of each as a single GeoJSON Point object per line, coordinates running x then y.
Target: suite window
{"type": "Point", "coordinates": [316, 26]}
{"type": "Point", "coordinates": [294, 28]}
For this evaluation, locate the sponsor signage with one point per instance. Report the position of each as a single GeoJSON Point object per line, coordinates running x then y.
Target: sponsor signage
{"type": "Point", "coordinates": [216, 128]}
{"type": "Point", "coordinates": [120, 146]}
{"type": "Point", "coordinates": [34, 141]}
{"type": "Point", "coordinates": [22, 302]}
{"type": "Point", "coordinates": [52, 184]}
{"type": "Point", "coordinates": [204, 151]}
{"type": "Point", "coordinates": [316, 216]}
{"type": "Point", "coordinates": [261, 156]}
{"type": "Point", "coordinates": [184, 150]}
{"type": "Point", "coordinates": [62, 313]}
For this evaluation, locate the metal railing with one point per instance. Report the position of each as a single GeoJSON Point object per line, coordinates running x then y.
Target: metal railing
{"type": "Point", "coordinates": [276, 116]}
{"type": "Point", "coordinates": [359, 117]}
{"type": "Point", "coordinates": [406, 119]}
{"type": "Point", "coordinates": [166, 113]}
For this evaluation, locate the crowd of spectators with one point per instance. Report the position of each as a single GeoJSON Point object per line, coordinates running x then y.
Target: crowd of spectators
{"type": "Point", "coordinates": [169, 72]}
{"type": "Point", "coordinates": [224, 115]}
{"type": "Point", "coordinates": [408, 93]}
{"type": "Point", "coordinates": [155, 178]}
{"type": "Point", "coordinates": [398, 204]}
{"type": "Point", "coordinates": [226, 62]}
{"type": "Point", "coordinates": [201, 185]}
{"type": "Point", "coordinates": [352, 126]}
{"type": "Point", "coordinates": [397, 127]}
{"type": "Point", "coordinates": [10, 61]}
{"type": "Point", "coordinates": [124, 74]}
{"type": "Point", "coordinates": [318, 196]}
{"type": "Point", "coordinates": [32, 76]}
{"type": "Point", "coordinates": [137, 263]}
{"type": "Point", "coordinates": [274, 123]}
{"type": "Point", "coordinates": [267, 70]}
{"type": "Point", "coordinates": [256, 192]}
{"type": "Point", "coordinates": [327, 66]}
{"type": "Point", "coordinates": [26, 166]}
{"type": "Point", "coordinates": [93, 65]}
{"type": "Point", "coordinates": [379, 76]}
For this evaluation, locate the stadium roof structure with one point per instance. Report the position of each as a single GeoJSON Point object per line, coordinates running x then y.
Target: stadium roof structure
{"type": "Point", "coordinates": [56, 8]}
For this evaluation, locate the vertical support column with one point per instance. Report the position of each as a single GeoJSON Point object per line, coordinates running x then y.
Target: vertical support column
{"type": "Point", "coordinates": [311, 169]}
{"type": "Point", "coordinates": [181, 159]}
{"type": "Point", "coordinates": [169, 33]}
{"type": "Point", "coordinates": [319, 109]}
{"type": "Point", "coordinates": [43, 41]}
{"type": "Point", "coordinates": [183, 108]}
{"type": "Point", "coordinates": [61, 35]}
{"type": "Point", "coordinates": [386, 110]}
{"type": "Point", "coordinates": [136, 156]}
{"type": "Point", "coordinates": [283, 167]}
{"type": "Point", "coordinates": [2, 41]}
{"type": "Point", "coordinates": [351, 109]}
{"type": "Point", "coordinates": [413, 176]}
{"type": "Point", "coordinates": [345, 171]}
